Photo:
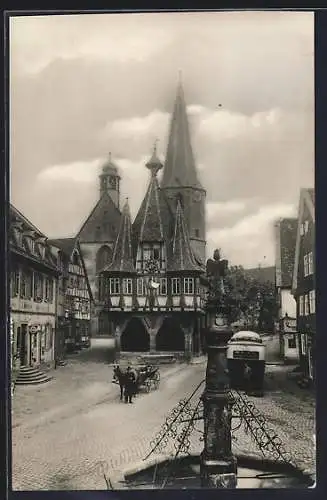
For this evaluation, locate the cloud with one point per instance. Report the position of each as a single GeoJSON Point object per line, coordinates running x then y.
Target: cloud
{"type": "Point", "coordinates": [78, 171]}
{"type": "Point", "coordinates": [100, 83]}
{"type": "Point", "coordinates": [251, 239]}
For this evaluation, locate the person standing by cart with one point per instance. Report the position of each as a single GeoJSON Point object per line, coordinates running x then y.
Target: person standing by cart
{"type": "Point", "coordinates": [129, 385]}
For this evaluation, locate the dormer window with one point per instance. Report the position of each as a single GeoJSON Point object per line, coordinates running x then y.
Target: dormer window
{"type": "Point", "coordinates": [154, 252]}
{"type": "Point", "coordinates": [75, 259]}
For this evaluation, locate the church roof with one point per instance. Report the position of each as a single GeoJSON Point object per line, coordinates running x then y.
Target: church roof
{"type": "Point", "coordinates": [122, 259]}
{"type": "Point", "coordinates": [182, 257]}
{"type": "Point", "coordinates": [103, 222]}
{"type": "Point", "coordinates": [179, 167]}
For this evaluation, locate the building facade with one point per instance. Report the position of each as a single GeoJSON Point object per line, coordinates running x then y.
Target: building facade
{"type": "Point", "coordinates": [304, 283]}
{"type": "Point", "coordinates": [152, 291]}
{"type": "Point", "coordinates": [97, 237]}
{"type": "Point", "coordinates": [33, 294]}
{"type": "Point", "coordinates": [75, 299]}
{"type": "Point", "coordinates": [285, 238]}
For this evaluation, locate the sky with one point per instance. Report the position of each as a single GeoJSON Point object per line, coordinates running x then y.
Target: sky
{"type": "Point", "coordinates": [82, 86]}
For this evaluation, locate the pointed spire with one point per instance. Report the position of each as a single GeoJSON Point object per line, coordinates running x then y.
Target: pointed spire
{"type": "Point", "coordinates": [150, 213]}
{"type": "Point", "coordinates": [182, 257]}
{"type": "Point", "coordinates": [179, 168]}
{"type": "Point", "coordinates": [122, 259]}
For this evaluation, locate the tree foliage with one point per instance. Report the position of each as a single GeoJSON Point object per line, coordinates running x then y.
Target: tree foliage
{"type": "Point", "coordinates": [241, 297]}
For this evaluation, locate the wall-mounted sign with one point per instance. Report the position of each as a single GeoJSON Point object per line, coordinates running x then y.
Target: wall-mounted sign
{"type": "Point", "coordinates": [289, 325]}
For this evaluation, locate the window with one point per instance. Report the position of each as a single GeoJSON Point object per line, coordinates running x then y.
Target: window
{"type": "Point", "coordinates": [127, 286]}
{"type": "Point", "coordinates": [292, 342]}
{"type": "Point", "coordinates": [306, 305]}
{"type": "Point", "coordinates": [197, 233]}
{"type": "Point", "coordinates": [140, 286]}
{"type": "Point", "coordinates": [114, 286]}
{"type": "Point", "coordinates": [310, 263]}
{"type": "Point", "coordinates": [301, 229]}
{"type": "Point", "coordinates": [306, 265]}
{"type": "Point", "coordinates": [156, 253]}
{"type": "Point", "coordinates": [189, 286]}
{"type": "Point", "coordinates": [75, 259]}
{"type": "Point", "coordinates": [306, 226]}
{"type": "Point", "coordinates": [176, 286]}
{"type": "Point", "coordinates": [312, 301]}
{"type": "Point", "coordinates": [38, 286]}
{"type": "Point", "coordinates": [301, 305]}
{"type": "Point", "coordinates": [303, 344]}
{"type": "Point", "coordinates": [163, 286]}
{"type": "Point", "coordinates": [14, 282]}
{"type": "Point", "coordinates": [49, 289]}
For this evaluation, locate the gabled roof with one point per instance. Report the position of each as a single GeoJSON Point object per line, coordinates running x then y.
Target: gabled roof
{"type": "Point", "coordinates": [181, 257]}
{"type": "Point", "coordinates": [122, 259]}
{"type": "Point", "coordinates": [307, 200]}
{"type": "Point", "coordinates": [67, 245]}
{"type": "Point", "coordinates": [179, 167]}
{"type": "Point", "coordinates": [148, 224]}
{"type": "Point", "coordinates": [285, 251]}
{"type": "Point", "coordinates": [103, 222]}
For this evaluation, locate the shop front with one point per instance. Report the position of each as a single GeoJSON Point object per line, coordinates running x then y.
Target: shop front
{"type": "Point", "coordinates": [33, 340]}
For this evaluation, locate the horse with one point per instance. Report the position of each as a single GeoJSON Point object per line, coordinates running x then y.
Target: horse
{"type": "Point", "coordinates": [121, 377]}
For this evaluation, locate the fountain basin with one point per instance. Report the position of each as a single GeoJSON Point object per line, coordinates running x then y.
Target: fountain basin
{"type": "Point", "coordinates": [252, 473]}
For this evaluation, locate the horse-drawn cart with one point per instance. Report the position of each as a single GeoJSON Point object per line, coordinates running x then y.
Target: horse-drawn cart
{"type": "Point", "coordinates": [147, 377]}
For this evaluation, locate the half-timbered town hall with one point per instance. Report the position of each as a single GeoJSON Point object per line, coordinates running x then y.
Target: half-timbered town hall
{"type": "Point", "coordinates": [146, 274]}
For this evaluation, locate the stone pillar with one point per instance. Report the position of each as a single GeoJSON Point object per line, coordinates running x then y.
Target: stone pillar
{"type": "Point", "coordinates": [218, 465]}
{"type": "Point", "coordinates": [152, 334]}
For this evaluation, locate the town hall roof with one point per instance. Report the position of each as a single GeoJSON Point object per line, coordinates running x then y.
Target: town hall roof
{"type": "Point", "coordinates": [179, 167]}
{"type": "Point", "coordinates": [148, 224]}
{"type": "Point", "coordinates": [182, 257]}
{"type": "Point", "coordinates": [122, 259]}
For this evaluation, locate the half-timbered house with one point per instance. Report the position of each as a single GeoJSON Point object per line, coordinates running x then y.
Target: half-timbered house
{"type": "Point", "coordinates": [74, 296]}
{"type": "Point", "coordinates": [285, 239]}
{"type": "Point", "coordinates": [304, 283]}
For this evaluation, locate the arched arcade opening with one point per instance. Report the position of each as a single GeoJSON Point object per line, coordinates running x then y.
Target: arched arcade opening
{"type": "Point", "coordinates": [135, 338]}
{"type": "Point", "coordinates": [170, 337]}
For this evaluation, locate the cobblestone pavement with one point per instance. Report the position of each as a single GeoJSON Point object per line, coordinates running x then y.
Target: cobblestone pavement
{"type": "Point", "coordinates": [62, 430]}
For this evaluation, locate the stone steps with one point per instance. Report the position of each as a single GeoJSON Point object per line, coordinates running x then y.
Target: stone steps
{"type": "Point", "coordinates": [31, 376]}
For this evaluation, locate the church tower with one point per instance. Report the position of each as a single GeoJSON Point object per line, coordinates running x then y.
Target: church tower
{"type": "Point", "coordinates": [180, 179]}
{"type": "Point", "coordinates": [110, 181]}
